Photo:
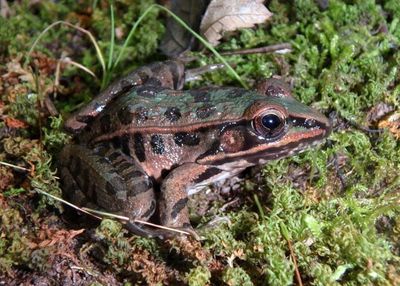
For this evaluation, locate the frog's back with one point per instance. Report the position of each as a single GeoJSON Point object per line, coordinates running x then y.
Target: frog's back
{"type": "Point", "coordinates": [151, 109]}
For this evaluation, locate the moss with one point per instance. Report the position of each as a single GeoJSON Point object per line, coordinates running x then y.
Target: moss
{"type": "Point", "coordinates": [236, 276]}
{"type": "Point", "coordinates": [14, 246]}
{"type": "Point", "coordinates": [198, 276]}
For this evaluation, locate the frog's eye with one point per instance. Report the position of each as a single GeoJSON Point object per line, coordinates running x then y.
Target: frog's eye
{"type": "Point", "coordinates": [270, 124]}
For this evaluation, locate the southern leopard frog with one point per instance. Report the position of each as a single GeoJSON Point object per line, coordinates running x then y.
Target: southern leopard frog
{"type": "Point", "coordinates": [143, 144]}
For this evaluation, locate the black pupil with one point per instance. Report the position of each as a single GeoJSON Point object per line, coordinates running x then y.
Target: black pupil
{"type": "Point", "coordinates": [271, 121]}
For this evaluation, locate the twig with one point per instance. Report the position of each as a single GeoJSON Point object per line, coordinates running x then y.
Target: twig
{"type": "Point", "coordinates": [14, 166]}
{"type": "Point", "coordinates": [162, 227]}
{"type": "Point", "coordinates": [124, 218]}
{"type": "Point", "coordinates": [195, 73]}
{"type": "Point", "coordinates": [285, 234]}
{"type": "Point", "coordinates": [296, 268]}
{"type": "Point", "coordinates": [67, 203]}
{"type": "Point", "coordinates": [281, 48]}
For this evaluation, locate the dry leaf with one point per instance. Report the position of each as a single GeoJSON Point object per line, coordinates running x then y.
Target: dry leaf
{"type": "Point", "coordinates": [227, 15]}
{"type": "Point", "coordinates": [15, 123]}
{"type": "Point", "coordinates": [392, 122]}
{"type": "Point", "coordinates": [378, 112]}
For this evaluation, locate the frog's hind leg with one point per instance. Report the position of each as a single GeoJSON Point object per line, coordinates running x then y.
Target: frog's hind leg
{"type": "Point", "coordinates": [111, 180]}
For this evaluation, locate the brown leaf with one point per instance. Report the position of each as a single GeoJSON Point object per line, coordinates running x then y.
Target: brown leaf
{"type": "Point", "coordinates": [15, 123]}
{"type": "Point", "coordinates": [227, 15]}
{"type": "Point", "coordinates": [49, 237]}
{"type": "Point", "coordinates": [16, 72]}
{"type": "Point", "coordinates": [392, 122]}
{"type": "Point", "coordinates": [378, 112]}
{"type": "Point", "coordinates": [6, 178]}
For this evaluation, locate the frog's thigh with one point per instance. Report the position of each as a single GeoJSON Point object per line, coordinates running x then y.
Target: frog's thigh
{"type": "Point", "coordinates": [174, 194]}
{"type": "Point", "coordinates": [108, 178]}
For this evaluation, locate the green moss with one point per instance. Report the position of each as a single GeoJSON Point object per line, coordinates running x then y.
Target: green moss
{"type": "Point", "coordinates": [236, 276]}
{"type": "Point", "coordinates": [198, 276]}
{"type": "Point", "coordinates": [14, 248]}
{"type": "Point", "coordinates": [54, 137]}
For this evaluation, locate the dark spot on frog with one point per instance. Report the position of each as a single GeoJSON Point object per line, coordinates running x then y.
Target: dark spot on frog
{"type": "Point", "coordinates": [151, 209]}
{"type": "Point", "coordinates": [133, 174]}
{"type": "Point", "coordinates": [143, 76]}
{"type": "Point", "coordinates": [157, 144]}
{"type": "Point", "coordinates": [125, 145]}
{"type": "Point", "coordinates": [213, 150]}
{"type": "Point", "coordinates": [110, 189]}
{"type": "Point", "coordinates": [105, 123]}
{"type": "Point", "coordinates": [84, 183]}
{"type": "Point", "coordinates": [76, 166]}
{"type": "Point", "coordinates": [178, 207]}
{"type": "Point", "coordinates": [173, 114]}
{"type": "Point", "coordinates": [139, 186]}
{"type": "Point", "coordinates": [103, 161]}
{"type": "Point", "coordinates": [237, 92]}
{"type": "Point", "coordinates": [141, 113]}
{"type": "Point", "coordinates": [139, 147]}
{"type": "Point", "coordinates": [91, 190]}
{"type": "Point", "coordinates": [101, 149]}
{"type": "Point", "coordinates": [85, 118]}
{"type": "Point", "coordinates": [166, 172]}
{"type": "Point", "coordinates": [205, 111]}
{"type": "Point", "coordinates": [153, 81]}
{"type": "Point", "coordinates": [184, 138]}
{"type": "Point", "coordinates": [210, 172]}
{"type": "Point", "coordinates": [187, 225]}
{"type": "Point", "coordinates": [114, 156]}
{"type": "Point", "coordinates": [116, 142]}
{"type": "Point", "coordinates": [200, 95]}
{"type": "Point", "coordinates": [122, 166]}
{"type": "Point", "coordinates": [127, 115]}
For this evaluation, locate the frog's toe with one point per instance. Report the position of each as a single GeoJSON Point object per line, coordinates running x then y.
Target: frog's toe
{"type": "Point", "coordinates": [137, 229]}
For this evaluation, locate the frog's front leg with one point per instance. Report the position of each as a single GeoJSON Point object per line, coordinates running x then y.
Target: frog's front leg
{"type": "Point", "coordinates": [174, 193]}
{"type": "Point", "coordinates": [111, 180]}
{"type": "Point", "coordinates": [168, 74]}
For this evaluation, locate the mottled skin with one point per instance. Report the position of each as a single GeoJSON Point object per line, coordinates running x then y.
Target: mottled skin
{"type": "Point", "coordinates": [142, 144]}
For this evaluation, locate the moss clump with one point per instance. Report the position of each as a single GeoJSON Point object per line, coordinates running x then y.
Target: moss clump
{"type": "Point", "coordinates": [198, 276]}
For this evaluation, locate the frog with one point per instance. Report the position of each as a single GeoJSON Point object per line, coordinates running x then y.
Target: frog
{"type": "Point", "coordinates": [144, 144]}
